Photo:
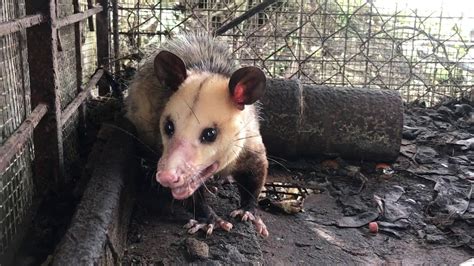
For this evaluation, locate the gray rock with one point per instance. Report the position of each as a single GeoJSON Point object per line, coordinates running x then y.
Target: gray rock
{"type": "Point", "coordinates": [197, 249]}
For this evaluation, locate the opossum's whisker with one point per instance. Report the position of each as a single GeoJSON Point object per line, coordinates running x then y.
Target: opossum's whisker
{"type": "Point", "coordinates": [277, 158]}
{"type": "Point", "coordinates": [244, 127]}
{"type": "Point", "coordinates": [194, 207]}
{"type": "Point", "coordinates": [144, 119]}
{"type": "Point", "coordinates": [250, 193]}
{"type": "Point", "coordinates": [133, 136]}
{"type": "Point", "coordinates": [196, 177]}
{"type": "Point", "coordinates": [152, 175]}
{"type": "Point", "coordinates": [248, 149]}
{"type": "Point", "coordinates": [280, 164]}
{"type": "Point", "coordinates": [228, 154]}
{"type": "Point", "coordinates": [205, 186]}
{"type": "Point", "coordinates": [172, 203]}
{"type": "Point", "coordinates": [247, 137]}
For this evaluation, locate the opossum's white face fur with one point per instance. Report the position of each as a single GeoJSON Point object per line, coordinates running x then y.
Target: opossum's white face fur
{"type": "Point", "coordinates": [203, 125]}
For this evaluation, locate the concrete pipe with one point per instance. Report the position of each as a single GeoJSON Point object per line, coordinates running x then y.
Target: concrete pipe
{"type": "Point", "coordinates": [320, 121]}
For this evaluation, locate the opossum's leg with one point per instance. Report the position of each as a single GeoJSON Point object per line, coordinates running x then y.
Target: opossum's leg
{"type": "Point", "coordinates": [206, 219]}
{"type": "Point", "coordinates": [250, 184]}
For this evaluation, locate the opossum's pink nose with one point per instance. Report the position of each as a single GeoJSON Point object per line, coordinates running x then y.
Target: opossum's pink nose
{"type": "Point", "coordinates": [167, 178]}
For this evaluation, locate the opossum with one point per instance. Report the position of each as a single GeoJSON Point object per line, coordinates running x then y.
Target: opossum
{"type": "Point", "coordinates": [190, 100]}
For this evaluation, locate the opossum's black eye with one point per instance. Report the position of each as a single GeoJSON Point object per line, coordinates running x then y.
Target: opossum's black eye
{"type": "Point", "coordinates": [208, 135]}
{"type": "Point", "coordinates": [169, 128]}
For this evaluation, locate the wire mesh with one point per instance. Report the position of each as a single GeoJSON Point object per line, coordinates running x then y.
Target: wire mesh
{"type": "Point", "coordinates": [425, 52]}
{"type": "Point", "coordinates": [66, 55]}
{"type": "Point", "coordinates": [68, 87]}
{"type": "Point", "coordinates": [71, 146]}
{"type": "Point", "coordinates": [16, 193]}
{"type": "Point", "coordinates": [89, 47]}
{"type": "Point", "coordinates": [16, 188]}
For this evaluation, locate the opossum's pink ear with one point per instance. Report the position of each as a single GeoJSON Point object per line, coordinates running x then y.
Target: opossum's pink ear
{"type": "Point", "coordinates": [170, 69]}
{"type": "Point", "coordinates": [246, 86]}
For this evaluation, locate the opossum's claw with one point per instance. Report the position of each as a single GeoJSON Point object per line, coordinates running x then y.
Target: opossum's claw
{"type": "Point", "coordinates": [190, 224]}
{"type": "Point", "coordinates": [260, 226]}
{"type": "Point", "coordinates": [245, 215]}
{"type": "Point", "coordinates": [194, 226]}
{"type": "Point", "coordinates": [224, 225]}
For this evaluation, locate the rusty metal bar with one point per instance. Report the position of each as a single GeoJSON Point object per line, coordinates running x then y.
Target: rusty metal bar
{"type": "Point", "coordinates": [44, 69]}
{"type": "Point", "coordinates": [71, 19]}
{"type": "Point", "coordinates": [249, 13]}
{"type": "Point", "coordinates": [72, 107]}
{"type": "Point", "coordinates": [16, 141]}
{"type": "Point", "coordinates": [103, 42]}
{"type": "Point", "coordinates": [21, 23]}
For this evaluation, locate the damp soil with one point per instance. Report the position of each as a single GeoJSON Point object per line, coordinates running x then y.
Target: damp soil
{"type": "Point", "coordinates": [314, 237]}
{"type": "Point", "coordinates": [308, 237]}
{"type": "Point", "coordinates": [156, 234]}
{"type": "Point", "coordinates": [422, 204]}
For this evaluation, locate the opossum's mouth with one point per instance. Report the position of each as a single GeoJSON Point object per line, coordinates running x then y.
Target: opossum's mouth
{"type": "Point", "coordinates": [194, 182]}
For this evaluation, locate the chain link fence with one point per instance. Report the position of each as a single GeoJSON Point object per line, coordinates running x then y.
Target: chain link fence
{"type": "Point", "coordinates": [423, 50]}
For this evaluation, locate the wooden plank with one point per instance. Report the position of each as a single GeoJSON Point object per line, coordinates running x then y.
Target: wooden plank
{"type": "Point", "coordinates": [44, 70]}
{"type": "Point", "coordinates": [18, 139]}
{"type": "Point", "coordinates": [74, 18]}
{"type": "Point", "coordinates": [103, 42]}
{"type": "Point", "coordinates": [109, 195]}
{"type": "Point", "coordinates": [21, 23]}
{"type": "Point", "coordinates": [72, 107]}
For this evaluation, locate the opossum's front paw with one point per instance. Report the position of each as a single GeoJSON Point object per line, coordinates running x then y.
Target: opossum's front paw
{"type": "Point", "coordinates": [194, 226]}
{"type": "Point", "coordinates": [255, 219]}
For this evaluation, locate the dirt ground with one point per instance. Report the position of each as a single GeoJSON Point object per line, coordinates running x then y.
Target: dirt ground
{"type": "Point", "coordinates": [309, 237]}
{"type": "Point", "coordinates": [312, 237]}
{"type": "Point", "coordinates": [422, 203]}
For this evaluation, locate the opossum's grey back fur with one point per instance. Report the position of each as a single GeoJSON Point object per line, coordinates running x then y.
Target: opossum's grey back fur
{"type": "Point", "coordinates": [202, 52]}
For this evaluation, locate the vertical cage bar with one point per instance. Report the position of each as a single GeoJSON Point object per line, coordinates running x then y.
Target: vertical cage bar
{"type": "Point", "coordinates": [90, 20]}
{"type": "Point", "coordinates": [346, 37]}
{"type": "Point", "coordinates": [413, 39]}
{"type": "Point", "coordinates": [392, 50]}
{"type": "Point", "coordinates": [325, 14]}
{"type": "Point", "coordinates": [103, 42]}
{"type": "Point", "coordinates": [44, 80]}
{"type": "Point", "coordinates": [139, 42]}
{"type": "Point", "coordinates": [115, 29]}
{"type": "Point", "coordinates": [78, 44]}
{"type": "Point", "coordinates": [369, 33]}
{"type": "Point", "coordinates": [300, 36]}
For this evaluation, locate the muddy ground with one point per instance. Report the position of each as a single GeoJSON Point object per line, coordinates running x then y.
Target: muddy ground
{"type": "Point", "coordinates": [422, 204]}
{"type": "Point", "coordinates": [308, 237]}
